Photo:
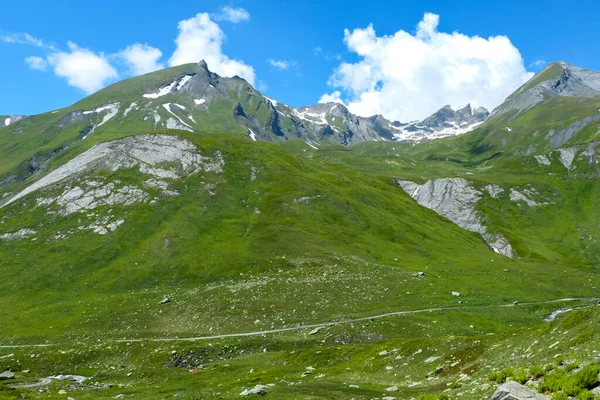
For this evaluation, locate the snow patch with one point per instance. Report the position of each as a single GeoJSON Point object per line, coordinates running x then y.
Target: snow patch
{"type": "Point", "coordinates": [199, 102]}
{"type": "Point", "coordinates": [7, 122]}
{"type": "Point", "coordinates": [167, 107]}
{"type": "Point", "coordinates": [183, 81]}
{"type": "Point", "coordinates": [312, 145]}
{"type": "Point", "coordinates": [161, 92]}
{"type": "Point", "coordinates": [132, 106]}
{"type": "Point", "coordinates": [165, 90]}
{"type": "Point", "coordinates": [273, 102]}
{"type": "Point", "coordinates": [252, 135]}
{"type": "Point", "coordinates": [113, 109]}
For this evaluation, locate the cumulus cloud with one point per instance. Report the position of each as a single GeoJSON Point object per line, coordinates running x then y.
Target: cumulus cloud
{"type": "Point", "coordinates": [141, 58]}
{"type": "Point", "coordinates": [335, 97]}
{"type": "Point", "coordinates": [407, 77]}
{"type": "Point", "coordinates": [200, 38]}
{"type": "Point", "coordinates": [280, 64]}
{"type": "Point", "coordinates": [37, 63]}
{"type": "Point", "coordinates": [235, 15]}
{"type": "Point", "coordinates": [82, 68]}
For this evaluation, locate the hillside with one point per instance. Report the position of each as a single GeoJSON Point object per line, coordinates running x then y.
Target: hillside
{"type": "Point", "coordinates": [157, 257]}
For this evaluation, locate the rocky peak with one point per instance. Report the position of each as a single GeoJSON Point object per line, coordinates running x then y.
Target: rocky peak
{"type": "Point", "coordinates": [449, 117]}
{"type": "Point", "coordinates": [557, 79]}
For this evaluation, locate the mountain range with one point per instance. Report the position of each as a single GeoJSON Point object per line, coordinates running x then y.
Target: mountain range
{"type": "Point", "coordinates": [191, 97]}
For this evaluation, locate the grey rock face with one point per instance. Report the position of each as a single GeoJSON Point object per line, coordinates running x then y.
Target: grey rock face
{"type": "Point", "coordinates": [9, 120]}
{"type": "Point", "coordinates": [571, 81]}
{"type": "Point", "coordinates": [454, 199]}
{"type": "Point", "coordinates": [561, 137]}
{"type": "Point", "coordinates": [567, 155]}
{"type": "Point", "coordinates": [514, 391]}
{"type": "Point", "coordinates": [148, 153]}
{"type": "Point", "coordinates": [326, 123]}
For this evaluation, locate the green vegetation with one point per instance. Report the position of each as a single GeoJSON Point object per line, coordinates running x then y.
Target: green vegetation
{"type": "Point", "coordinates": [342, 282]}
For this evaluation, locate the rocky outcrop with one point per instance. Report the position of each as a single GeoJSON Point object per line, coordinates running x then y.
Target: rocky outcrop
{"type": "Point", "coordinates": [558, 138]}
{"type": "Point", "coordinates": [161, 156]}
{"type": "Point", "coordinates": [9, 120]}
{"type": "Point", "coordinates": [455, 199]}
{"type": "Point", "coordinates": [514, 391]}
{"type": "Point", "coordinates": [557, 79]}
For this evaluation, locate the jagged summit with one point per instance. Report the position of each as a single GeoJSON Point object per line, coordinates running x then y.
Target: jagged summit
{"type": "Point", "coordinates": [191, 97]}
{"type": "Point", "coordinates": [557, 79]}
{"type": "Point", "coordinates": [447, 121]}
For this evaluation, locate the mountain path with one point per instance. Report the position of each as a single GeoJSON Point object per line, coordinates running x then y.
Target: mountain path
{"type": "Point", "coordinates": [311, 326]}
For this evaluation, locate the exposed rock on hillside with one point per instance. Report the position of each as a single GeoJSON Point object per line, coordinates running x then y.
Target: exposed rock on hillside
{"type": "Point", "coordinates": [148, 153]}
{"type": "Point", "coordinates": [557, 79]}
{"type": "Point", "coordinates": [9, 120]}
{"type": "Point", "coordinates": [514, 391]}
{"type": "Point", "coordinates": [454, 199]}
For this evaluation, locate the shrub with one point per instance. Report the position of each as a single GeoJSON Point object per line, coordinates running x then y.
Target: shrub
{"type": "Point", "coordinates": [552, 382]}
{"type": "Point", "coordinates": [587, 378]}
{"type": "Point", "coordinates": [521, 376]}
{"type": "Point", "coordinates": [559, 361]}
{"type": "Point", "coordinates": [585, 395]}
{"type": "Point", "coordinates": [560, 396]}
{"type": "Point", "coordinates": [573, 385]}
{"type": "Point", "coordinates": [536, 372]}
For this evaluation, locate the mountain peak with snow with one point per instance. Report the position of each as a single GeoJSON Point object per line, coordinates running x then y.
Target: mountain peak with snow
{"type": "Point", "coordinates": [447, 121]}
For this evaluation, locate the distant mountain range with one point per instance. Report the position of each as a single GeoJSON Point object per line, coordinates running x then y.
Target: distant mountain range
{"type": "Point", "coordinates": [192, 98]}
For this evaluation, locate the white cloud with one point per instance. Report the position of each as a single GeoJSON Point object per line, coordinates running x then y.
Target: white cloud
{"type": "Point", "coordinates": [335, 97]}
{"type": "Point", "coordinates": [537, 64]}
{"type": "Point", "coordinates": [24, 38]}
{"type": "Point", "coordinates": [280, 64]}
{"type": "Point", "coordinates": [262, 86]}
{"type": "Point", "coordinates": [407, 77]}
{"type": "Point", "coordinates": [231, 14]}
{"type": "Point", "coordinates": [81, 68]}
{"type": "Point", "coordinates": [141, 58]}
{"type": "Point", "coordinates": [201, 39]}
{"type": "Point", "coordinates": [37, 63]}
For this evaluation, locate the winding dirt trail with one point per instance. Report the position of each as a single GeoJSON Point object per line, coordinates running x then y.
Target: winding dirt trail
{"type": "Point", "coordinates": [311, 326]}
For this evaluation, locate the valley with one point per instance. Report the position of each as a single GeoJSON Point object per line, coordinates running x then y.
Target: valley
{"type": "Point", "coordinates": [179, 235]}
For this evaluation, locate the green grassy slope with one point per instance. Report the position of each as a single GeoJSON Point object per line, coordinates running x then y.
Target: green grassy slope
{"type": "Point", "coordinates": [289, 236]}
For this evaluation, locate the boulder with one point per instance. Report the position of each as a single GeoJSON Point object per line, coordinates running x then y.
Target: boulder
{"type": "Point", "coordinates": [515, 391]}
{"type": "Point", "coordinates": [258, 389]}
{"type": "Point", "coordinates": [6, 375]}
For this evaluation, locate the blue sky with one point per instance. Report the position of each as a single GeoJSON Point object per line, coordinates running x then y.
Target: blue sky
{"type": "Point", "coordinates": [298, 51]}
